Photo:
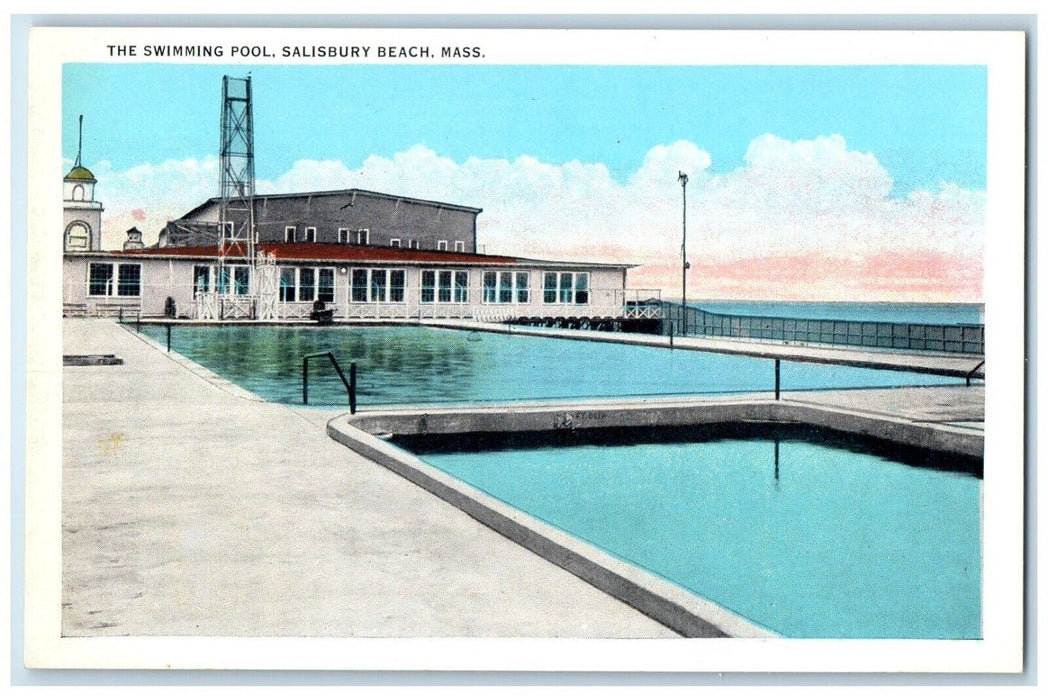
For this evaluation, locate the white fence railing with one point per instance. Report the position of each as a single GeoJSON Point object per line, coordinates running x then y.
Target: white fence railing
{"type": "Point", "coordinates": [209, 305]}
{"type": "Point", "coordinates": [605, 303]}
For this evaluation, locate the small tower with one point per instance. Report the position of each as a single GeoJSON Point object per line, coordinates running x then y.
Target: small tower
{"type": "Point", "coordinates": [134, 239]}
{"type": "Point", "coordinates": [82, 215]}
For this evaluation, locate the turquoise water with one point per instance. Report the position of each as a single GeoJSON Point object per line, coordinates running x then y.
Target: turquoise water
{"type": "Point", "coordinates": [830, 544]}
{"type": "Point", "coordinates": [850, 311]}
{"type": "Point", "coordinates": [411, 365]}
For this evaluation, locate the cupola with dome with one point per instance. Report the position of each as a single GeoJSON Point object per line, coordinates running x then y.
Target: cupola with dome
{"type": "Point", "coordinates": [82, 215]}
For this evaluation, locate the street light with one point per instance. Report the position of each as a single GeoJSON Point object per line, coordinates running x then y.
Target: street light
{"type": "Point", "coordinates": [682, 178]}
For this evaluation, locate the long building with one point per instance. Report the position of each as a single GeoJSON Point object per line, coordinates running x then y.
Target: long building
{"type": "Point", "coordinates": [366, 254]}
{"type": "Point", "coordinates": [353, 217]}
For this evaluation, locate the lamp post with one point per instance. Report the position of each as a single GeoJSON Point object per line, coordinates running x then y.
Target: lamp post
{"type": "Point", "coordinates": [682, 178]}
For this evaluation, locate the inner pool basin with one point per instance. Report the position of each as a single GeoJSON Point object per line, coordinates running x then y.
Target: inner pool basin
{"type": "Point", "coordinates": [422, 365]}
{"type": "Point", "coordinates": [806, 535]}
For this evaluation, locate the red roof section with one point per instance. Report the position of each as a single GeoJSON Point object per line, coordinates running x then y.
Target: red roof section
{"type": "Point", "coordinates": [328, 252]}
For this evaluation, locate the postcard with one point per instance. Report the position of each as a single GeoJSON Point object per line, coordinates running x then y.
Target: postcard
{"type": "Point", "coordinates": [520, 349]}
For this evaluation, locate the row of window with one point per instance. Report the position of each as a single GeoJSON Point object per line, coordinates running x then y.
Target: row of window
{"type": "Point", "coordinates": [362, 236]}
{"type": "Point", "coordinates": [367, 285]}
{"type": "Point", "coordinates": [452, 287]}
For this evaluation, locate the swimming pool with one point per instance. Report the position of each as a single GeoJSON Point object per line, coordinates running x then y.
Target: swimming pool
{"type": "Point", "coordinates": [421, 365]}
{"type": "Point", "coordinates": [808, 539]}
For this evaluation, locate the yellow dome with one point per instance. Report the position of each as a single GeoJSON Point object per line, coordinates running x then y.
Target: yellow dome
{"type": "Point", "coordinates": [79, 172]}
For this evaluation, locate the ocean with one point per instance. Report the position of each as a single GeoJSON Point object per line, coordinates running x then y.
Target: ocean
{"type": "Point", "coordinates": [849, 311]}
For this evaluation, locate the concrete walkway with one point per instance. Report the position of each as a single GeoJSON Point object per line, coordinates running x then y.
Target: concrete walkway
{"type": "Point", "coordinates": [950, 405]}
{"type": "Point", "coordinates": [190, 509]}
{"type": "Point", "coordinates": [946, 364]}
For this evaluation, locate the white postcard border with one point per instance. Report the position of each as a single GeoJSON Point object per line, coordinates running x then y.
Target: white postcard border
{"type": "Point", "coordinates": [1000, 651]}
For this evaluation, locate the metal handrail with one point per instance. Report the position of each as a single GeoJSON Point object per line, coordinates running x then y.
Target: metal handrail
{"type": "Point", "coordinates": [351, 385]}
{"type": "Point", "coordinates": [968, 377]}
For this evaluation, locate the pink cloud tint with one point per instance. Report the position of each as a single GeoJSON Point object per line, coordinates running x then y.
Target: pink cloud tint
{"type": "Point", "coordinates": [138, 214]}
{"type": "Point", "coordinates": [904, 275]}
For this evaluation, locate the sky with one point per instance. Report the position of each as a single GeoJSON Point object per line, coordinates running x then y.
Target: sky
{"type": "Point", "coordinates": [861, 183]}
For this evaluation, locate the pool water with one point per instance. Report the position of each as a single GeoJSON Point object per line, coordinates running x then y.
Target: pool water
{"type": "Point", "coordinates": [419, 365]}
{"type": "Point", "coordinates": [827, 543]}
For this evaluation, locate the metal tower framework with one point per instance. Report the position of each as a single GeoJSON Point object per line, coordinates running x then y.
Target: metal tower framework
{"type": "Point", "coordinates": [237, 164]}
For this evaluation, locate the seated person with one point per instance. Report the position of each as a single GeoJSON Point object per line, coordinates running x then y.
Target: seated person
{"type": "Point", "coordinates": [321, 313]}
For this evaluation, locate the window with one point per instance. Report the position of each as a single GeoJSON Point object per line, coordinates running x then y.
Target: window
{"type": "Point", "coordinates": [372, 285]}
{"type": "Point", "coordinates": [397, 283]}
{"type": "Point", "coordinates": [222, 280]}
{"type": "Point", "coordinates": [394, 242]}
{"type": "Point", "coordinates": [521, 287]}
{"type": "Point", "coordinates": [241, 280]}
{"type": "Point", "coordinates": [78, 193]}
{"type": "Point", "coordinates": [564, 291]}
{"type": "Point", "coordinates": [461, 289]}
{"type": "Point", "coordinates": [377, 288]}
{"type": "Point", "coordinates": [363, 236]}
{"type": "Point", "coordinates": [289, 234]}
{"type": "Point", "coordinates": [581, 288]}
{"type": "Point", "coordinates": [326, 285]}
{"type": "Point", "coordinates": [129, 280]}
{"type": "Point", "coordinates": [565, 288]}
{"type": "Point", "coordinates": [359, 285]}
{"type": "Point", "coordinates": [505, 287]}
{"type": "Point", "coordinates": [549, 288]}
{"type": "Point", "coordinates": [490, 285]}
{"type": "Point", "coordinates": [343, 235]}
{"type": "Point", "coordinates": [311, 234]}
{"type": "Point", "coordinates": [201, 279]}
{"type": "Point", "coordinates": [231, 279]}
{"type": "Point", "coordinates": [460, 247]}
{"type": "Point", "coordinates": [78, 236]}
{"type": "Point", "coordinates": [444, 287]}
{"type": "Point", "coordinates": [100, 280]}
{"type": "Point", "coordinates": [429, 284]}
{"type": "Point", "coordinates": [288, 283]}
{"type": "Point", "coordinates": [442, 245]}
{"type": "Point", "coordinates": [412, 243]}
{"type": "Point", "coordinates": [107, 280]}
{"type": "Point", "coordinates": [307, 284]}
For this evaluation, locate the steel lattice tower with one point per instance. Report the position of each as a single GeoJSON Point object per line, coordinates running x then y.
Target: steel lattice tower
{"type": "Point", "coordinates": [237, 165]}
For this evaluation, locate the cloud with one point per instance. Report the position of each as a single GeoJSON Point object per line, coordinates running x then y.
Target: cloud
{"type": "Point", "coordinates": [915, 275]}
{"type": "Point", "coordinates": [149, 195]}
{"type": "Point", "coordinates": [815, 206]}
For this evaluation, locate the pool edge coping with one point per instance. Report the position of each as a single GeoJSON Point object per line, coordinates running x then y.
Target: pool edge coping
{"type": "Point", "coordinates": [669, 604]}
{"type": "Point", "coordinates": [676, 608]}
{"type": "Point", "coordinates": [195, 368]}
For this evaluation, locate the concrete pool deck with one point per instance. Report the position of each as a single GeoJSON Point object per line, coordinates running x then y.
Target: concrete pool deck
{"type": "Point", "coordinates": [192, 508]}
{"type": "Point", "coordinates": [188, 509]}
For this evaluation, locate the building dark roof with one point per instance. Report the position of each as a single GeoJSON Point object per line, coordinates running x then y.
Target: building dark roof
{"type": "Point", "coordinates": [336, 193]}
{"type": "Point", "coordinates": [341, 252]}
{"type": "Point", "coordinates": [330, 252]}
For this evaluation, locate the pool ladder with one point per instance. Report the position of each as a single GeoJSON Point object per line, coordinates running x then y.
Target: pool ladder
{"type": "Point", "coordinates": [351, 384]}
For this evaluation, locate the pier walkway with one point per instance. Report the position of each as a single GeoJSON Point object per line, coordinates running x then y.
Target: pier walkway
{"type": "Point", "coordinates": [950, 365]}
{"type": "Point", "coordinates": [190, 507]}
